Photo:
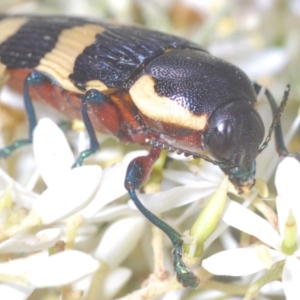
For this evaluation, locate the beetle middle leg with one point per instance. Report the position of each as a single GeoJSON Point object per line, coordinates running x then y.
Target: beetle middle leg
{"type": "Point", "coordinates": [137, 174]}
{"type": "Point", "coordinates": [34, 78]}
{"type": "Point", "coordinates": [96, 97]}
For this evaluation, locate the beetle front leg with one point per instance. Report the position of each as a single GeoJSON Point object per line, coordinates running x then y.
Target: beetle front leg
{"type": "Point", "coordinates": [137, 174]}
{"type": "Point", "coordinates": [34, 78]}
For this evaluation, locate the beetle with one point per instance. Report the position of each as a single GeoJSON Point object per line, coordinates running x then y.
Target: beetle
{"type": "Point", "coordinates": [143, 87]}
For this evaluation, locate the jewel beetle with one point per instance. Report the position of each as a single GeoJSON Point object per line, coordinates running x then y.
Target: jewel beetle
{"type": "Point", "coordinates": [143, 87]}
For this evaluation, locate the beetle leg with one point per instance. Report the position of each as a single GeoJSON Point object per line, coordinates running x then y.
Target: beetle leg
{"type": "Point", "coordinates": [137, 174]}
{"type": "Point", "coordinates": [34, 78]}
{"type": "Point", "coordinates": [91, 96]}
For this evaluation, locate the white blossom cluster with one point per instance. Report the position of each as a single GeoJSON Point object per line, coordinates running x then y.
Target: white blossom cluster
{"type": "Point", "coordinates": [81, 237]}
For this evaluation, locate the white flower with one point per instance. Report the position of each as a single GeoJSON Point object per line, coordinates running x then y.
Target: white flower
{"type": "Point", "coordinates": [115, 247]}
{"type": "Point", "coordinates": [184, 187]}
{"type": "Point", "coordinates": [69, 192]}
{"type": "Point", "coordinates": [43, 239]}
{"type": "Point", "coordinates": [278, 246]}
{"type": "Point", "coordinates": [42, 270]}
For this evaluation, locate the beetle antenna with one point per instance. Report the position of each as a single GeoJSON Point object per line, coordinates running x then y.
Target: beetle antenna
{"type": "Point", "coordinates": [277, 115]}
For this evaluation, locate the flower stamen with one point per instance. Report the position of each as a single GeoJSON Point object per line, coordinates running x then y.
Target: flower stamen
{"type": "Point", "coordinates": [289, 243]}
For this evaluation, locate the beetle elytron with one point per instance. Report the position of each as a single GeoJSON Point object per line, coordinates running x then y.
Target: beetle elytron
{"type": "Point", "coordinates": [143, 87]}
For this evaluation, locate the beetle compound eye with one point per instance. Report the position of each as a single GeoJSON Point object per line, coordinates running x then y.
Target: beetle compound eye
{"type": "Point", "coordinates": [221, 141]}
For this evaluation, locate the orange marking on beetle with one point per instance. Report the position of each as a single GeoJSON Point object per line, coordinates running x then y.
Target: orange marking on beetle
{"type": "Point", "coordinates": [59, 63]}
{"type": "Point", "coordinates": [162, 108]}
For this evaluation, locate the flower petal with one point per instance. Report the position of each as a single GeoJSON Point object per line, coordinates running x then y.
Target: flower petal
{"type": "Point", "coordinates": [52, 152]}
{"type": "Point", "coordinates": [288, 185]}
{"type": "Point", "coordinates": [111, 213]}
{"type": "Point", "coordinates": [19, 266]}
{"type": "Point", "coordinates": [65, 198]}
{"type": "Point", "coordinates": [273, 288]}
{"type": "Point", "coordinates": [245, 220]}
{"type": "Point", "coordinates": [237, 262]}
{"type": "Point", "coordinates": [291, 277]}
{"type": "Point", "coordinates": [111, 188]}
{"type": "Point", "coordinates": [20, 195]}
{"type": "Point", "coordinates": [205, 172]}
{"type": "Point", "coordinates": [115, 280]}
{"type": "Point", "coordinates": [175, 197]}
{"type": "Point", "coordinates": [85, 233]}
{"type": "Point", "coordinates": [29, 243]}
{"type": "Point", "coordinates": [61, 269]}
{"type": "Point", "coordinates": [15, 291]}
{"type": "Point", "coordinates": [119, 240]}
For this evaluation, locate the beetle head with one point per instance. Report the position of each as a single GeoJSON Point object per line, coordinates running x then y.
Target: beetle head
{"type": "Point", "coordinates": [233, 137]}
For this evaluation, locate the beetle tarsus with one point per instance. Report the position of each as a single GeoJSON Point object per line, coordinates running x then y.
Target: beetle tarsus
{"type": "Point", "coordinates": [7, 151]}
{"type": "Point", "coordinates": [184, 275]}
